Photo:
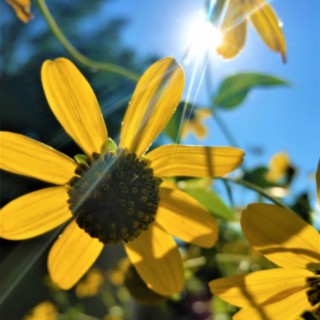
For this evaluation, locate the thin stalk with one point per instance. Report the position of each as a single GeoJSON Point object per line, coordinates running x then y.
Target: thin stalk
{"type": "Point", "coordinates": [97, 65]}
{"type": "Point", "coordinates": [259, 190]}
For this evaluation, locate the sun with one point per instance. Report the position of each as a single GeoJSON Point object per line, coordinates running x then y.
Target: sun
{"type": "Point", "coordinates": [202, 35]}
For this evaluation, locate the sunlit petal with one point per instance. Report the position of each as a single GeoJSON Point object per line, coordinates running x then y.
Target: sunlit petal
{"type": "Point", "coordinates": [34, 213]}
{"type": "Point", "coordinates": [74, 104]}
{"type": "Point", "coordinates": [155, 99]}
{"type": "Point", "coordinates": [290, 308]}
{"type": "Point", "coordinates": [22, 9]}
{"type": "Point", "coordinates": [261, 287]}
{"type": "Point", "coordinates": [184, 217]}
{"type": "Point", "coordinates": [28, 157]}
{"type": "Point", "coordinates": [234, 30]}
{"type": "Point", "coordinates": [156, 257]}
{"type": "Point", "coordinates": [194, 161]}
{"type": "Point", "coordinates": [72, 255]}
{"type": "Point", "coordinates": [267, 25]}
{"type": "Point", "coordinates": [281, 236]}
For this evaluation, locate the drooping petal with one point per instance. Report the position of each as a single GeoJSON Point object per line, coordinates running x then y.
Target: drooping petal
{"type": "Point", "coordinates": [156, 258]}
{"type": "Point", "coordinates": [234, 30]}
{"type": "Point", "coordinates": [72, 255]}
{"type": "Point", "coordinates": [34, 213]}
{"type": "Point", "coordinates": [153, 103]}
{"type": "Point", "coordinates": [267, 25]}
{"type": "Point", "coordinates": [281, 236]}
{"type": "Point", "coordinates": [28, 157]}
{"type": "Point", "coordinates": [290, 308]}
{"type": "Point", "coordinates": [184, 217]}
{"type": "Point", "coordinates": [22, 9]}
{"type": "Point", "coordinates": [74, 104]}
{"type": "Point", "coordinates": [194, 161]}
{"type": "Point", "coordinates": [261, 287]}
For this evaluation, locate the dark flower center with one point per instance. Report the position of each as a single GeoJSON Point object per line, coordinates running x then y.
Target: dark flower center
{"type": "Point", "coordinates": [314, 293]}
{"type": "Point", "coordinates": [115, 198]}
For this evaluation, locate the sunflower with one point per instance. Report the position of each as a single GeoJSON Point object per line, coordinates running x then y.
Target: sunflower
{"type": "Point", "coordinates": [113, 194]}
{"type": "Point", "coordinates": [282, 293]}
{"type": "Point", "coordinates": [193, 123]}
{"type": "Point", "coordinates": [233, 26]}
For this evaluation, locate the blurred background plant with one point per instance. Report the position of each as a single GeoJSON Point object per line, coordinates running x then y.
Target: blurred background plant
{"type": "Point", "coordinates": [112, 289]}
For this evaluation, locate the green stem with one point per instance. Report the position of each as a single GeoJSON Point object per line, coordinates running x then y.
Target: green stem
{"type": "Point", "coordinates": [258, 190]}
{"type": "Point", "coordinates": [107, 67]}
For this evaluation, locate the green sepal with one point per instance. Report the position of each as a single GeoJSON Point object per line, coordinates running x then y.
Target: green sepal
{"type": "Point", "coordinates": [81, 159]}
{"type": "Point", "coordinates": [110, 146]}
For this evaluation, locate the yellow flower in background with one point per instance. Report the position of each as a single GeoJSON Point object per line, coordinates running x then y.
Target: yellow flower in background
{"type": "Point", "coordinates": [280, 169]}
{"type": "Point", "coordinates": [283, 293]}
{"type": "Point", "coordinates": [90, 285]}
{"type": "Point", "coordinates": [233, 26]}
{"type": "Point", "coordinates": [43, 311]}
{"type": "Point", "coordinates": [113, 195]}
{"type": "Point", "coordinates": [22, 9]}
{"type": "Point", "coordinates": [194, 123]}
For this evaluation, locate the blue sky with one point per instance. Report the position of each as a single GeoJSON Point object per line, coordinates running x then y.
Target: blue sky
{"type": "Point", "coordinates": [279, 119]}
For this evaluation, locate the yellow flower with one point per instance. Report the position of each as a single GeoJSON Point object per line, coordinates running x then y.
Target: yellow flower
{"type": "Point", "coordinates": [22, 9]}
{"type": "Point", "coordinates": [90, 285]}
{"type": "Point", "coordinates": [43, 311]}
{"type": "Point", "coordinates": [280, 168]}
{"type": "Point", "coordinates": [194, 123]}
{"type": "Point", "coordinates": [234, 27]}
{"type": "Point", "coordinates": [282, 293]}
{"type": "Point", "coordinates": [113, 195]}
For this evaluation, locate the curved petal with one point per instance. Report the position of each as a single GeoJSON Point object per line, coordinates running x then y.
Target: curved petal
{"type": "Point", "coordinates": [28, 157]}
{"type": "Point", "coordinates": [74, 104]}
{"type": "Point", "coordinates": [184, 217]}
{"type": "Point", "coordinates": [72, 255]}
{"type": "Point", "coordinates": [281, 236]}
{"type": "Point", "coordinates": [34, 213]}
{"type": "Point", "coordinates": [261, 287]}
{"type": "Point", "coordinates": [234, 30]}
{"type": "Point", "coordinates": [194, 161]}
{"type": "Point", "coordinates": [153, 103]}
{"type": "Point", "coordinates": [290, 308]}
{"type": "Point", "coordinates": [267, 25]}
{"type": "Point", "coordinates": [156, 258]}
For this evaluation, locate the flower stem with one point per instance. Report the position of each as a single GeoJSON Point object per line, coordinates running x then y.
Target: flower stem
{"type": "Point", "coordinates": [102, 66]}
{"type": "Point", "coordinates": [259, 190]}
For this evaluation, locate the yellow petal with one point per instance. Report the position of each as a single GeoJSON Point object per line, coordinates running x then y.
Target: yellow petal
{"type": "Point", "coordinates": [267, 25]}
{"type": "Point", "coordinates": [74, 104]}
{"type": "Point", "coordinates": [278, 166]}
{"type": "Point", "coordinates": [318, 181]}
{"type": "Point", "coordinates": [261, 287]}
{"type": "Point", "coordinates": [289, 308]}
{"type": "Point", "coordinates": [281, 236]}
{"type": "Point", "coordinates": [156, 258]}
{"type": "Point", "coordinates": [194, 161]}
{"type": "Point", "coordinates": [184, 217]}
{"type": "Point", "coordinates": [22, 9]}
{"type": "Point", "coordinates": [200, 130]}
{"type": "Point", "coordinates": [234, 30]}
{"type": "Point", "coordinates": [72, 255]}
{"type": "Point", "coordinates": [153, 103]}
{"type": "Point", "coordinates": [34, 213]}
{"type": "Point", "coordinates": [28, 157]}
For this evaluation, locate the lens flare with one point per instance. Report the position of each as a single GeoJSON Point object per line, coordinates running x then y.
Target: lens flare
{"type": "Point", "coordinates": [203, 36]}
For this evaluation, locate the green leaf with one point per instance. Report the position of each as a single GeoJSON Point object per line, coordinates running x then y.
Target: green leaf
{"type": "Point", "coordinates": [211, 201]}
{"type": "Point", "coordinates": [257, 176]}
{"type": "Point", "coordinates": [234, 89]}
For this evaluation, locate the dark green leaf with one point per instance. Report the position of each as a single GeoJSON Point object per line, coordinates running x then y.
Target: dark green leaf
{"type": "Point", "coordinates": [234, 89]}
